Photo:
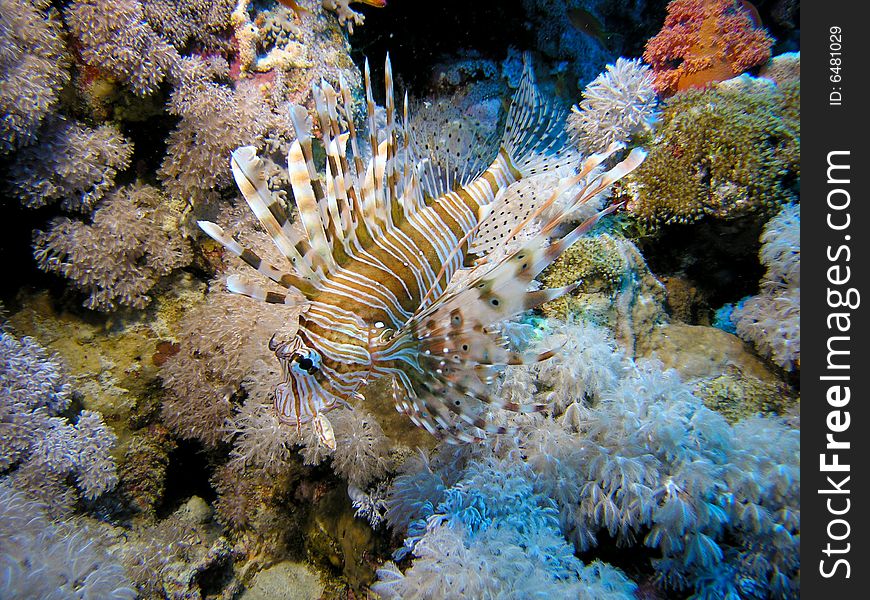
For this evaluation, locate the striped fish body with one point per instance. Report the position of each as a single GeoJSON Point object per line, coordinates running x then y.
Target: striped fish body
{"type": "Point", "coordinates": [380, 244]}
{"type": "Point", "coordinates": [353, 316]}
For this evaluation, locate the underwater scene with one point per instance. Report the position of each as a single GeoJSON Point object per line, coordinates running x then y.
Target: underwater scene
{"type": "Point", "coordinates": [336, 299]}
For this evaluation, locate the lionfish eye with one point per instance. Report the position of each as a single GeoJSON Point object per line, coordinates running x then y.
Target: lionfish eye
{"type": "Point", "coordinates": [307, 361]}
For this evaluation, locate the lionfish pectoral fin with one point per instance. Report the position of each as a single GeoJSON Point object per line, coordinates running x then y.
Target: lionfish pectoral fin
{"type": "Point", "coordinates": [507, 213]}
{"type": "Point", "coordinates": [324, 430]}
{"type": "Point", "coordinates": [500, 292]}
{"type": "Point", "coordinates": [443, 412]}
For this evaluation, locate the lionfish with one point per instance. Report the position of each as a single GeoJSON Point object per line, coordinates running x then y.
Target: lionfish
{"type": "Point", "coordinates": [382, 239]}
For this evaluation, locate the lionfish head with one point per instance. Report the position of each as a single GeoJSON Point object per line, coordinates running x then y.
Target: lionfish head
{"type": "Point", "coordinates": [307, 390]}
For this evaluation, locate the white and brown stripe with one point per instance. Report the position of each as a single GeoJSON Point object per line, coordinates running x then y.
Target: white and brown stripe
{"type": "Point", "coordinates": [377, 256]}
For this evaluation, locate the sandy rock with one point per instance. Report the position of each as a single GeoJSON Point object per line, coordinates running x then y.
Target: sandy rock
{"type": "Point", "coordinates": [284, 581]}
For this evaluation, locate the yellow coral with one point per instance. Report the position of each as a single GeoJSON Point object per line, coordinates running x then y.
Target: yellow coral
{"type": "Point", "coordinates": [737, 396]}
{"type": "Point", "coordinates": [597, 262]}
{"type": "Point", "coordinates": [723, 152]}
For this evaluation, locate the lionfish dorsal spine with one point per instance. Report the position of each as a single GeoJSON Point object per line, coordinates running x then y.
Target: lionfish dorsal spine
{"type": "Point", "coordinates": [376, 209]}
{"type": "Point", "coordinates": [309, 212]}
{"type": "Point", "coordinates": [341, 197]}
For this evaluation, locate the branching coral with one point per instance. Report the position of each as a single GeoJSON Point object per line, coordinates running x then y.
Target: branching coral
{"type": "Point", "coordinates": [133, 241]}
{"type": "Point", "coordinates": [113, 35]}
{"type": "Point", "coordinates": [217, 116]}
{"type": "Point", "coordinates": [33, 69]}
{"type": "Point", "coordinates": [710, 40]}
{"type": "Point", "coordinates": [724, 152]}
{"type": "Point", "coordinates": [618, 104]}
{"type": "Point", "coordinates": [39, 448]}
{"type": "Point", "coordinates": [72, 163]}
{"type": "Point", "coordinates": [771, 320]}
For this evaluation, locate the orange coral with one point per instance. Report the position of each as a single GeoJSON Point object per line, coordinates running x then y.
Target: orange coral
{"type": "Point", "coordinates": [703, 41]}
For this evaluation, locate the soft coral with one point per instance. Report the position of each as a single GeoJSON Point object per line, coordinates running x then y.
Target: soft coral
{"type": "Point", "coordinates": [711, 40]}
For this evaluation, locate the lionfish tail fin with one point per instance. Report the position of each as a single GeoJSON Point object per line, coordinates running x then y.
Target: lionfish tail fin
{"type": "Point", "coordinates": [535, 137]}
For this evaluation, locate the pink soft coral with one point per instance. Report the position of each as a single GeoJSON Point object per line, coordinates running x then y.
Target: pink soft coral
{"type": "Point", "coordinates": [712, 40]}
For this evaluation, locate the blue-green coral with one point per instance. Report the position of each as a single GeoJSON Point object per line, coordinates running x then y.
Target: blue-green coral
{"type": "Point", "coordinates": [491, 534]}
{"type": "Point", "coordinates": [771, 320]}
{"type": "Point", "coordinates": [41, 558]}
{"type": "Point", "coordinates": [39, 447]}
{"type": "Point", "coordinates": [639, 460]}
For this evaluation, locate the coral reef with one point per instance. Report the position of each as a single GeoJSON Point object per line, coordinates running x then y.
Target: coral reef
{"type": "Point", "coordinates": [699, 352]}
{"type": "Point", "coordinates": [180, 556]}
{"type": "Point", "coordinates": [72, 163]}
{"type": "Point", "coordinates": [738, 396]}
{"type": "Point", "coordinates": [615, 287]}
{"type": "Point", "coordinates": [771, 320]}
{"type": "Point", "coordinates": [637, 454]}
{"type": "Point", "coordinates": [33, 68]}
{"type": "Point", "coordinates": [142, 475]}
{"type": "Point", "coordinates": [284, 54]}
{"type": "Point", "coordinates": [140, 451]}
{"type": "Point", "coordinates": [618, 104]}
{"type": "Point", "coordinates": [722, 370]}
{"type": "Point", "coordinates": [114, 36]}
{"type": "Point", "coordinates": [363, 457]}
{"type": "Point", "coordinates": [212, 125]}
{"type": "Point", "coordinates": [709, 40]}
{"type": "Point", "coordinates": [39, 447]}
{"type": "Point", "coordinates": [40, 558]}
{"type": "Point", "coordinates": [132, 241]}
{"type": "Point", "coordinates": [724, 152]}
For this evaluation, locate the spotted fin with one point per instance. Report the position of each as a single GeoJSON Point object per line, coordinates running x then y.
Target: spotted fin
{"type": "Point", "coordinates": [453, 148]}
{"type": "Point", "coordinates": [454, 336]}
